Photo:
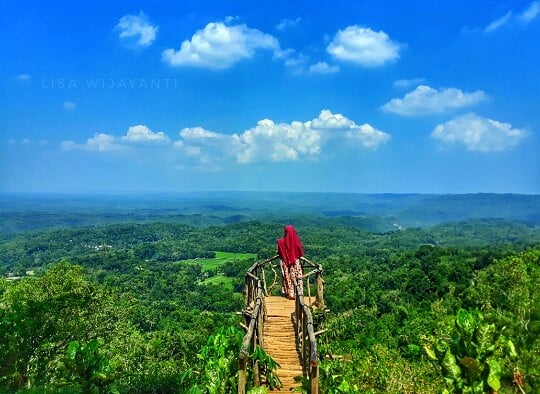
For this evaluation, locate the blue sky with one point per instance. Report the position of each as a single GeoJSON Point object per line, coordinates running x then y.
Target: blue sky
{"type": "Point", "coordinates": [343, 96]}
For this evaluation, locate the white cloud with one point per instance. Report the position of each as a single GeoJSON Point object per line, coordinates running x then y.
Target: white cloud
{"type": "Point", "coordinates": [99, 142]}
{"type": "Point", "coordinates": [205, 148]}
{"type": "Point", "coordinates": [322, 68]}
{"type": "Point", "coordinates": [28, 142]}
{"type": "Point", "coordinates": [142, 134]}
{"type": "Point", "coordinates": [273, 141]}
{"type": "Point", "coordinates": [230, 18]}
{"type": "Point", "coordinates": [531, 12]}
{"type": "Point", "coordinates": [405, 83]}
{"type": "Point", "coordinates": [69, 105]}
{"type": "Point", "coordinates": [284, 54]}
{"type": "Point", "coordinates": [102, 142]}
{"type": "Point", "coordinates": [476, 133]}
{"type": "Point", "coordinates": [287, 23]}
{"type": "Point", "coordinates": [192, 133]}
{"type": "Point", "coordinates": [426, 100]}
{"type": "Point", "coordinates": [510, 18]}
{"type": "Point", "coordinates": [498, 22]}
{"type": "Point", "coordinates": [364, 46]}
{"type": "Point", "coordinates": [137, 30]}
{"type": "Point", "coordinates": [277, 142]}
{"type": "Point", "coordinates": [267, 141]}
{"type": "Point", "coordinates": [219, 46]}
{"type": "Point", "coordinates": [329, 121]}
{"type": "Point", "coordinates": [23, 77]}
{"type": "Point", "coordinates": [295, 62]}
{"type": "Point", "coordinates": [369, 137]}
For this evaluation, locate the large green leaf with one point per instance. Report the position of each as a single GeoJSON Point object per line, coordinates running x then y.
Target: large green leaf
{"type": "Point", "coordinates": [450, 366]}
{"type": "Point", "coordinates": [465, 322]}
{"type": "Point", "coordinates": [511, 349]}
{"type": "Point", "coordinates": [72, 349]}
{"type": "Point", "coordinates": [485, 337]}
{"type": "Point", "coordinates": [495, 370]}
{"type": "Point", "coordinates": [478, 386]}
{"type": "Point", "coordinates": [430, 353]}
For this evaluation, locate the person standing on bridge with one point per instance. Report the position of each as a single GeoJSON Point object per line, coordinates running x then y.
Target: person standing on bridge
{"type": "Point", "coordinates": [290, 250]}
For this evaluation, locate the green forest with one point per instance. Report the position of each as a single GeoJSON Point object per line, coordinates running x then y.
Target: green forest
{"type": "Point", "coordinates": [117, 302]}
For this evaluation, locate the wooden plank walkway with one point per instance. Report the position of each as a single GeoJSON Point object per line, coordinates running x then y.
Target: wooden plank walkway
{"type": "Point", "coordinates": [280, 342]}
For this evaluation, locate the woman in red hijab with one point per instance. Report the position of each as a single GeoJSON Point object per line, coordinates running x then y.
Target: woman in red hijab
{"type": "Point", "coordinates": [290, 250]}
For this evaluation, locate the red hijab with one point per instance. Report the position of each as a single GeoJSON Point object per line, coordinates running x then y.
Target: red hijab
{"type": "Point", "coordinates": [290, 247]}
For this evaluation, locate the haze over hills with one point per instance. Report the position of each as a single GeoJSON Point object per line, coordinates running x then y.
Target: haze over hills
{"type": "Point", "coordinates": [374, 212]}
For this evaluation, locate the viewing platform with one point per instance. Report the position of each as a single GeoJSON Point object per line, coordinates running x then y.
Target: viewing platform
{"type": "Point", "coordinates": [283, 328]}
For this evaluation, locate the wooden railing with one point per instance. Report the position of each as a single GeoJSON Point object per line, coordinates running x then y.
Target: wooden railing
{"type": "Point", "coordinates": [306, 341]}
{"type": "Point", "coordinates": [255, 316]}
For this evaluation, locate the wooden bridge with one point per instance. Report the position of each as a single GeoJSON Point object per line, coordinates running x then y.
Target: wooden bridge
{"type": "Point", "coordinates": [283, 328]}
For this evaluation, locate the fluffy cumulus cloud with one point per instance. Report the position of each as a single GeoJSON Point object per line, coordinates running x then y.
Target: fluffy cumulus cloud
{"type": "Point", "coordinates": [476, 133]}
{"type": "Point", "coordinates": [99, 142]}
{"type": "Point", "coordinates": [277, 142]}
{"type": "Point", "coordinates": [425, 100]}
{"type": "Point", "coordinates": [197, 133]}
{"type": "Point", "coordinates": [329, 121]}
{"type": "Point", "coordinates": [267, 141]}
{"type": "Point", "coordinates": [219, 46]}
{"type": "Point", "coordinates": [368, 136]}
{"type": "Point", "coordinates": [204, 148]}
{"type": "Point", "coordinates": [102, 142]}
{"type": "Point", "coordinates": [364, 46]}
{"type": "Point", "coordinates": [142, 134]}
{"type": "Point", "coordinates": [137, 30]}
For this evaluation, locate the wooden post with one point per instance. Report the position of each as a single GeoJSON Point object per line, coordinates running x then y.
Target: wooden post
{"type": "Point", "coordinates": [256, 373]}
{"type": "Point", "coordinates": [320, 291]}
{"type": "Point", "coordinates": [260, 327]}
{"type": "Point", "coordinates": [308, 290]}
{"type": "Point", "coordinates": [256, 376]}
{"type": "Point", "coordinates": [246, 291]}
{"type": "Point", "coordinates": [242, 373]}
{"type": "Point", "coordinates": [314, 376]}
{"type": "Point", "coordinates": [306, 341]}
{"type": "Point", "coordinates": [264, 281]}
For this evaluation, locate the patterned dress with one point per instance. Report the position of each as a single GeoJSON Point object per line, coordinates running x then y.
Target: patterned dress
{"type": "Point", "coordinates": [288, 274]}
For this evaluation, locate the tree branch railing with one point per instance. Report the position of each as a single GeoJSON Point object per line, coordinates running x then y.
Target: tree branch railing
{"type": "Point", "coordinates": [255, 316]}
{"type": "Point", "coordinates": [306, 340]}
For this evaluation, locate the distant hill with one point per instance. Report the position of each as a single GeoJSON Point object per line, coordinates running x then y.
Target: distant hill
{"type": "Point", "coordinates": [372, 212]}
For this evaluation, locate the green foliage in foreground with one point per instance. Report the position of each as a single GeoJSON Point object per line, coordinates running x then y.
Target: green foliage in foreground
{"type": "Point", "coordinates": [87, 369]}
{"type": "Point", "coordinates": [472, 361]}
{"type": "Point", "coordinates": [493, 346]}
{"type": "Point", "coordinates": [63, 331]}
